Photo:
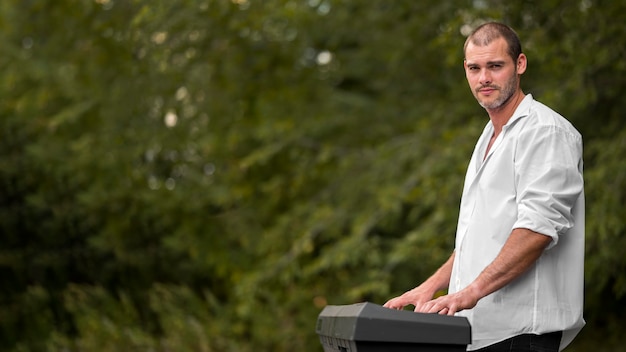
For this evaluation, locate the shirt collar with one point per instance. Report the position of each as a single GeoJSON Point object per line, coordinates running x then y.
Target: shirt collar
{"type": "Point", "coordinates": [522, 110]}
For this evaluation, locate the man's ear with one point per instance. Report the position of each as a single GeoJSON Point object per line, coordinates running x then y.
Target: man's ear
{"type": "Point", "coordinates": [521, 63]}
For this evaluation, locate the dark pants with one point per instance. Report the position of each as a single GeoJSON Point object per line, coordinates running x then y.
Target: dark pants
{"type": "Point", "coordinates": [528, 343]}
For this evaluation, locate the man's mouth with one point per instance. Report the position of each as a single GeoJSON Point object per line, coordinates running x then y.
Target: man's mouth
{"type": "Point", "coordinates": [487, 90]}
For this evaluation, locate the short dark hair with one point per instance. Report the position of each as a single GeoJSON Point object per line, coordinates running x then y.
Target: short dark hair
{"type": "Point", "coordinates": [490, 31]}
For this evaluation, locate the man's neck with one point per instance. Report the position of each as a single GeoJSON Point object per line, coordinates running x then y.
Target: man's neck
{"type": "Point", "coordinates": [500, 116]}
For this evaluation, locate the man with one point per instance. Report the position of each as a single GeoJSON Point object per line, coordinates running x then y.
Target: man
{"type": "Point", "coordinates": [516, 271]}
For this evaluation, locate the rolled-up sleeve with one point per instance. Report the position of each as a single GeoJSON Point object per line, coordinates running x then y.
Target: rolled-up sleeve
{"type": "Point", "coordinates": [549, 180]}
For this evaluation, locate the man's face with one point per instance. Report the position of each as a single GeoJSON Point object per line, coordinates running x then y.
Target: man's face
{"type": "Point", "coordinates": [492, 74]}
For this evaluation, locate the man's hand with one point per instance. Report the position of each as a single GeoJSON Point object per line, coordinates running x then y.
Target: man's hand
{"type": "Point", "coordinates": [424, 292]}
{"type": "Point", "coordinates": [416, 297]}
{"type": "Point", "coordinates": [452, 303]}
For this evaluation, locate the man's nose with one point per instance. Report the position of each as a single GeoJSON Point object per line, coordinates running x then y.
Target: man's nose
{"type": "Point", "coordinates": [485, 77]}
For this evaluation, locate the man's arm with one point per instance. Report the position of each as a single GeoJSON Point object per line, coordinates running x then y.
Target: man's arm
{"type": "Point", "coordinates": [424, 292]}
{"type": "Point", "coordinates": [518, 254]}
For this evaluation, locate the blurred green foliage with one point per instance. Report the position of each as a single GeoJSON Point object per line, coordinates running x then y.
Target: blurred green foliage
{"type": "Point", "coordinates": [206, 175]}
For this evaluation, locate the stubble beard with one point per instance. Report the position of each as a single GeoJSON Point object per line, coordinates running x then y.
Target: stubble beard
{"type": "Point", "coordinates": [506, 93]}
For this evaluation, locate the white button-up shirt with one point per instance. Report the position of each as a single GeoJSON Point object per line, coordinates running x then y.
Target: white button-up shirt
{"type": "Point", "coordinates": [532, 178]}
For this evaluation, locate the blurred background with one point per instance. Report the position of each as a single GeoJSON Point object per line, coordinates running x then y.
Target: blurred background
{"type": "Point", "coordinates": [207, 175]}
